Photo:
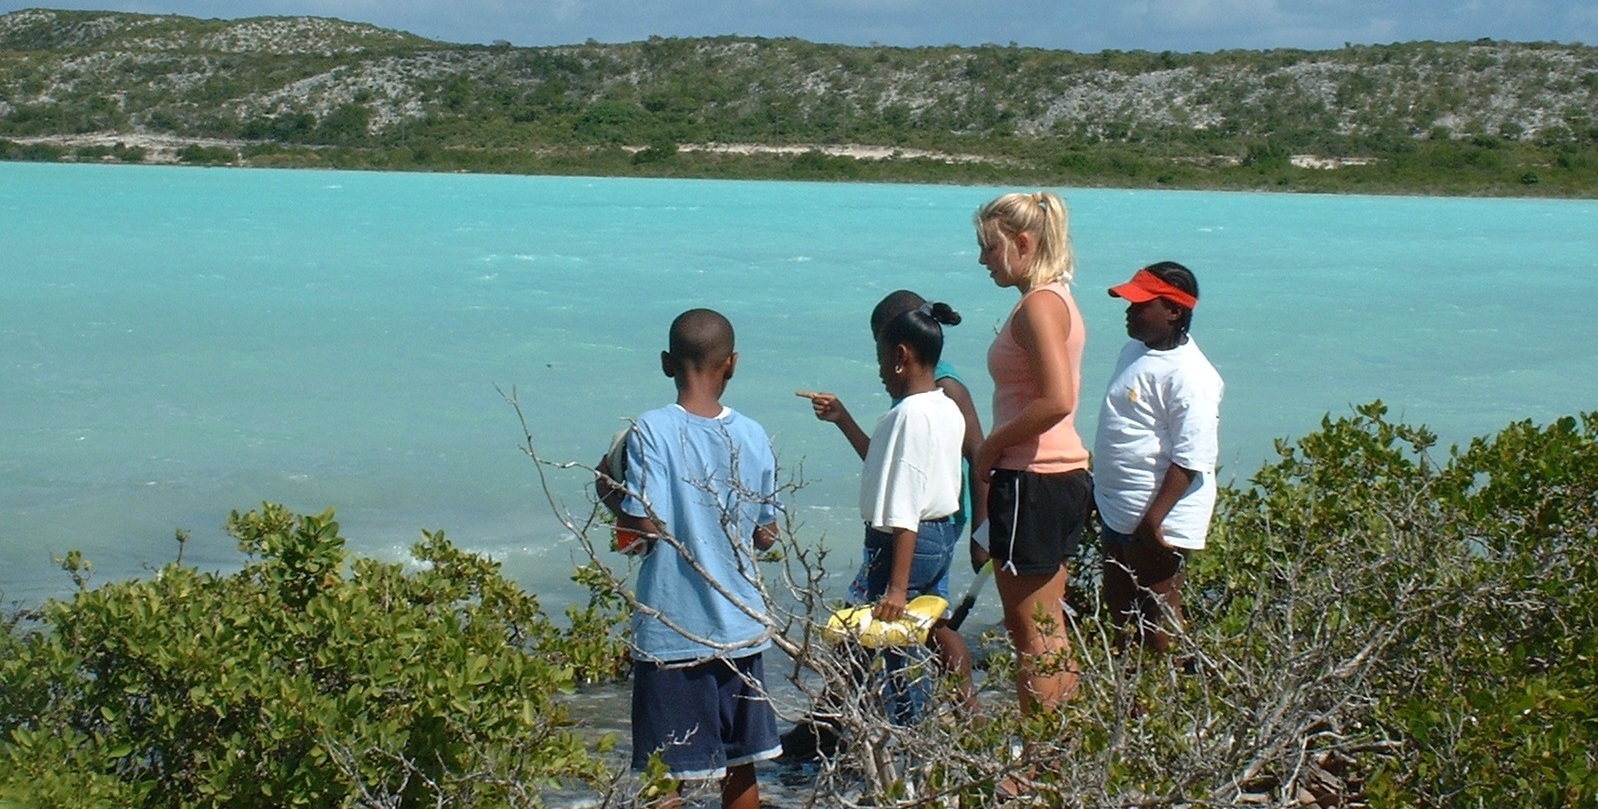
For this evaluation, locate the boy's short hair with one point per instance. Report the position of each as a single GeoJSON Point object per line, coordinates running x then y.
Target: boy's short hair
{"type": "Point", "coordinates": [700, 338]}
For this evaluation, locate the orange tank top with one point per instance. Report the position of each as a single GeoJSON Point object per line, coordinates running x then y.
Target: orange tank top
{"type": "Point", "coordinates": [1059, 448]}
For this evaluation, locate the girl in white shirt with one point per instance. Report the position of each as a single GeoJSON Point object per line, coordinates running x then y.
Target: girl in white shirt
{"type": "Point", "coordinates": [910, 485]}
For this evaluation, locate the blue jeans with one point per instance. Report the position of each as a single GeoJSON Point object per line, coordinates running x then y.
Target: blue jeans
{"type": "Point", "coordinates": [904, 696]}
{"type": "Point", "coordinates": [929, 571]}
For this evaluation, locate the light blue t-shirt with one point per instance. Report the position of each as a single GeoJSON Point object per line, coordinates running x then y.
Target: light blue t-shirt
{"type": "Point", "coordinates": [708, 483]}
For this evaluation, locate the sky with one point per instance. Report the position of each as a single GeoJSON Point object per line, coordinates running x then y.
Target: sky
{"type": "Point", "coordinates": [1080, 25]}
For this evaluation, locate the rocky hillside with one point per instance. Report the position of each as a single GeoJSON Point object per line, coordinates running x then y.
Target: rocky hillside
{"type": "Point", "coordinates": [44, 30]}
{"type": "Point", "coordinates": [315, 81]}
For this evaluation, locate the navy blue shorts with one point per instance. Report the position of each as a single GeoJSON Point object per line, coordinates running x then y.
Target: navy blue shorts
{"type": "Point", "coordinates": [1036, 520]}
{"type": "Point", "coordinates": [703, 718]}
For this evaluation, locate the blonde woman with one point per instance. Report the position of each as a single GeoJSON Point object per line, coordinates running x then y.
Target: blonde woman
{"type": "Point", "coordinates": [1034, 461]}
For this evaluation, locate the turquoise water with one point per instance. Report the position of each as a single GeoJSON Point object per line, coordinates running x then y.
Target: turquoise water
{"type": "Point", "coordinates": [176, 342]}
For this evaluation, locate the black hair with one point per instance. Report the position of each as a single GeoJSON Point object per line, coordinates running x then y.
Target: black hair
{"type": "Point", "coordinates": [1182, 278]}
{"type": "Point", "coordinates": [700, 338]}
{"type": "Point", "coordinates": [919, 329]}
{"type": "Point", "coordinates": [891, 306]}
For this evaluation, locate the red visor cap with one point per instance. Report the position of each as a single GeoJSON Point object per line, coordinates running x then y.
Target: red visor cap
{"type": "Point", "coordinates": [1146, 286]}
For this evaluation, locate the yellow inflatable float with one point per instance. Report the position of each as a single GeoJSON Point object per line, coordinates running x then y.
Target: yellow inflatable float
{"type": "Point", "coordinates": [859, 625]}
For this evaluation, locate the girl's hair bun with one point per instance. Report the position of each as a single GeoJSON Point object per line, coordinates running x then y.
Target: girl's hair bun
{"type": "Point", "coordinates": [945, 314]}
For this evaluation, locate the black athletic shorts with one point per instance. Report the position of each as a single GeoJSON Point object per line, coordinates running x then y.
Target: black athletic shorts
{"type": "Point", "coordinates": [1036, 520]}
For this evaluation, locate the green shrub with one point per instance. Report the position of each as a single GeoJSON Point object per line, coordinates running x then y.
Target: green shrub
{"type": "Point", "coordinates": [1503, 707]}
{"type": "Point", "coordinates": [344, 125]}
{"type": "Point", "coordinates": [129, 154]}
{"type": "Point", "coordinates": [31, 152]}
{"type": "Point", "coordinates": [658, 151]}
{"type": "Point", "coordinates": [207, 155]}
{"type": "Point", "coordinates": [305, 679]}
{"type": "Point", "coordinates": [1440, 621]}
{"type": "Point", "coordinates": [1369, 626]}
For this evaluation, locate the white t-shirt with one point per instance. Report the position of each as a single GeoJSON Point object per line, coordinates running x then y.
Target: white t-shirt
{"type": "Point", "coordinates": [912, 470]}
{"type": "Point", "coordinates": [1161, 408]}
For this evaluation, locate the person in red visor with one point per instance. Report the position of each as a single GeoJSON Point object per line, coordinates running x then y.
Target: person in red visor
{"type": "Point", "coordinates": [1155, 455]}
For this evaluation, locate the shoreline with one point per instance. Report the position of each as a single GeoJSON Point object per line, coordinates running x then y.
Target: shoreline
{"type": "Point", "coordinates": [160, 148]}
{"type": "Point", "coordinates": [820, 162]}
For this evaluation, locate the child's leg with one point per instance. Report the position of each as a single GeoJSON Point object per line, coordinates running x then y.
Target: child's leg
{"type": "Point", "coordinates": [955, 658]}
{"type": "Point", "coordinates": [929, 574]}
{"type": "Point", "coordinates": [740, 790]}
{"type": "Point", "coordinates": [748, 729]}
{"type": "Point", "coordinates": [1045, 672]}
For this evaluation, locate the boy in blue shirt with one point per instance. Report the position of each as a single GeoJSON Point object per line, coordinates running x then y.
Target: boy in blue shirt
{"type": "Point", "coordinates": [701, 492]}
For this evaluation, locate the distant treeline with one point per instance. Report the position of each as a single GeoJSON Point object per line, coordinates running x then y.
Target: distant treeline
{"type": "Point", "coordinates": [1482, 117]}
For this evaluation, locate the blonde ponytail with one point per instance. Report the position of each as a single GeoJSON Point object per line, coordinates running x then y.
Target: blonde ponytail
{"type": "Point", "coordinates": [1044, 216]}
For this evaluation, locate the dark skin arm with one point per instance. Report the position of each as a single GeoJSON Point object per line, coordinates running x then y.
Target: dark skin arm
{"type": "Point", "coordinates": [969, 446]}
{"type": "Point", "coordinates": [891, 606]}
{"type": "Point", "coordinates": [609, 493]}
{"type": "Point", "coordinates": [1149, 529]}
{"type": "Point", "coordinates": [644, 527]}
{"type": "Point", "coordinates": [829, 407]}
{"type": "Point", "coordinates": [1154, 564]}
{"type": "Point", "coordinates": [763, 538]}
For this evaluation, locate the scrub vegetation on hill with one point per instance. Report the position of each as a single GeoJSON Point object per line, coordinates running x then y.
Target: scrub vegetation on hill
{"type": "Point", "coordinates": [1484, 117]}
{"type": "Point", "coordinates": [1372, 625]}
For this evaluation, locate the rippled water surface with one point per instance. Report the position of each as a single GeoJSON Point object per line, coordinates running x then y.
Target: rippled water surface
{"type": "Point", "coordinates": [176, 343]}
